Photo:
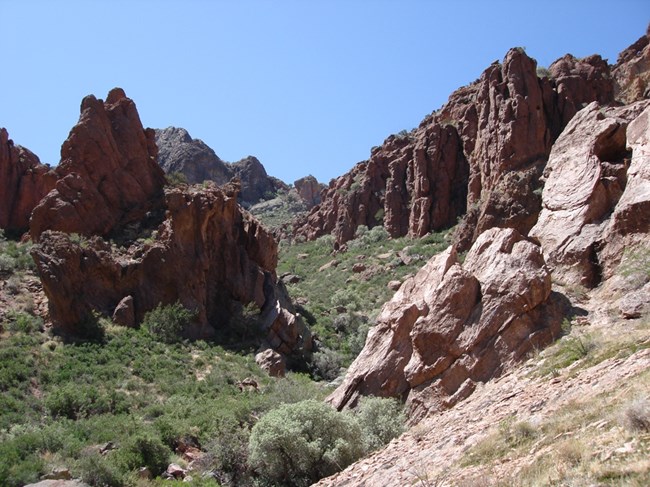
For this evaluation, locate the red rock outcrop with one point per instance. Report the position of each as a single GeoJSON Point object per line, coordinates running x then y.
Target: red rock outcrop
{"type": "Point", "coordinates": [632, 71]}
{"type": "Point", "coordinates": [309, 190]}
{"type": "Point", "coordinates": [24, 181]}
{"type": "Point", "coordinates": [481, 154]}
{"type": "Point", "coordinates": [452, 326]}
{"type": "Point", "coordinates": [108, 175]}
{"type": "Point", "coordinates": [208, 254]}
{"type": "Point", "coordinates": [586, 177]}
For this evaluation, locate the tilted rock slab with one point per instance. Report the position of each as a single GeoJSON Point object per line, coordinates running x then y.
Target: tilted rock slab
{"type": "Point", "coordinates": [23, 183]}
{"type": "Point", "coordinates": [595, 192]}
{"type": "Point", "coordinates": [108, 175]}
{"type": "Point", "coordinates": [453, 325]}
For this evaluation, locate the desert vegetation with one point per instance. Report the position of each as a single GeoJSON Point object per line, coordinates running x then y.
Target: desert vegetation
{"type": "Point", "coordinates": [119, 408]}
{"type": "Point", "coordinates": [340, 292]}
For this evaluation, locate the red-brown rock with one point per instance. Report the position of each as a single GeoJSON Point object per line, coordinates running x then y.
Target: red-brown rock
{"type": "Point", "coordinates": [309, 190]}
{"type": "Point", "coordinates": [452, 326]}
{"type": "Point", "coordinates": [586, 176]}
{"type": "Point", "coordinates": [632, 71]}
{"type": "Point", "coordinates": [481, 154]}
{"type": "Point", "coordinates": [108, 175]}
{"type": "Point", "coordinates": [208, 254]}
{"type": "Point", "coordinates": [24, 181]}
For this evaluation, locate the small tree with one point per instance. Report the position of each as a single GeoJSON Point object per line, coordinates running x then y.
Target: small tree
{"type": "Point", "coordinates": [298, 444]}
{"type": "Point", "coordinates": [167, 323]}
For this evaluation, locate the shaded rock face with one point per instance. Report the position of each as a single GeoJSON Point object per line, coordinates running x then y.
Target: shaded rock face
{"type": "Point", "coordinates": [208, 254]}
{"type": "Point", "coordinates": [193, 158]}
{"type": "Point", "coordinates": [596, 192]}
{"type": "Point", "coordinates": [178, 152]}
{"type": "Point", "coordinates": [108, 175]}
{"type": "Point", "coordinates": [481, 154]}
{"type": "Point", "coordinates": [256, 184]}
{"type": "Point", "coordinates": [452, 326]}
{"type": "Point", "coordinates": [632, 71]}
{"type": "Point", "coordinates": [24, 181]}
{"type": "Point", "coordinates": [309, 190]}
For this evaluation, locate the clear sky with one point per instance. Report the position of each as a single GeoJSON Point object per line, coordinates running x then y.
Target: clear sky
{"type": "Point", "coordinates": [306, 86]}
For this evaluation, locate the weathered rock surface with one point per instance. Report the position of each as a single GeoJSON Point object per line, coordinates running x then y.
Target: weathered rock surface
{"type": "Point", "coordinates": [58, 483]}
{"type": "Point", "coordinates": [452, 326]}
{"type": "Point", "coordinates": [632, 71]}
{"type": "Point", "coordinates": [208, 254]}
{"type": "Point", "coordinates": [256, 184]}
{"type": "Point", "coordinates": [178, 152]}
{"type": "Point", "coordinates": [108, 175]}
{"type": "Point", "coordinates": [24, 181]}
{"type": "Point", "coordinates": [481, 154]}
{"type": "Point", "coordinates": [194, 159]}
{"type": "Point", "coordinates": [586, 177]}
{"type": "Point", "coordinates": [309, 190]}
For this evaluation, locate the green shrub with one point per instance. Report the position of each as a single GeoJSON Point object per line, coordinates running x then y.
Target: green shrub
{"type": "Point", "coordinates": [75, 401]}
{"type": "Point", "coordinates": [99, 471]}
{"type": "Point", "coordinates": [381, 420]}
{"type": "Point", "coordinates": [167, 322]}
{"type": "Point", "coordinates": [298, 444]}
{"type": "Point", "coordinates": [144, 451]}
{"type": "Point", "coordinates": [19, 321]}
{"type": "Point", "coordinates": [176, 179]}
{"type": "Point", "coordinates": [326, 364]}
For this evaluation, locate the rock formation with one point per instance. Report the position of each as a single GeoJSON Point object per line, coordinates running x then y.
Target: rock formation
{"type": "Point", "coordinates": [309, 190]}
{"type": "Point", "coordinates": [256, 184]}
{"type": "Point", "coordinates": [632, 71]}
{"type": "Point", "coordinates": [452, 326]}
{"type": "Point", "coordinates": [180, 153]}
{"type": "Point", "coordinates": [586, 177]}
{"type": "Point", "coordinates": [24, 181]}
{"type": "Point", "coordinates": [108, 175]}
{"type": "Point", "coordinates": [125, 258]}
{"type": "Point", "coordinates": [481, 155]}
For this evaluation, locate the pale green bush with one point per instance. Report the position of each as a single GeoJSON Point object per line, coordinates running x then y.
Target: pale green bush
{"type": "Point", "coordinates": [298, 444]}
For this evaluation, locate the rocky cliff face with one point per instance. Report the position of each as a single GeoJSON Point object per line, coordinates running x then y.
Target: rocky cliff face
{"type": "Point", "coordinates": [632, 71]}
{"type": "Point", "coordinates": [138, 246]}
{"type": "Point", "coordinates": [452, 326]}
{"type": "Point", "coordinates": [586, 177]}
{"type": "Point", "coordinates": [481, 155]}
{"type": "Point", "coordinates": [24, 181]}
{"type": "Point", "coordinates": [108, 176]}
{"type": "Point", "coordinates": [180, 153]}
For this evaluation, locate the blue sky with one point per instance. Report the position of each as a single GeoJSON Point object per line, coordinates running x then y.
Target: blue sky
{"type": "Point", "coordinates": [306, 86]}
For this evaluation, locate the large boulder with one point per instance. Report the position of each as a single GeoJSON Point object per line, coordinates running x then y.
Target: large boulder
{"type": "Point", "coordinates": [24, 181]}
{"type": "Point", "coordinates": [586, 177]}
{"type": "Point", "coordinates": [309, 190]}
{"type": "Point", "coordinates": [454, 325]}
{"type": "Point", "coordinates": [108, 175]}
